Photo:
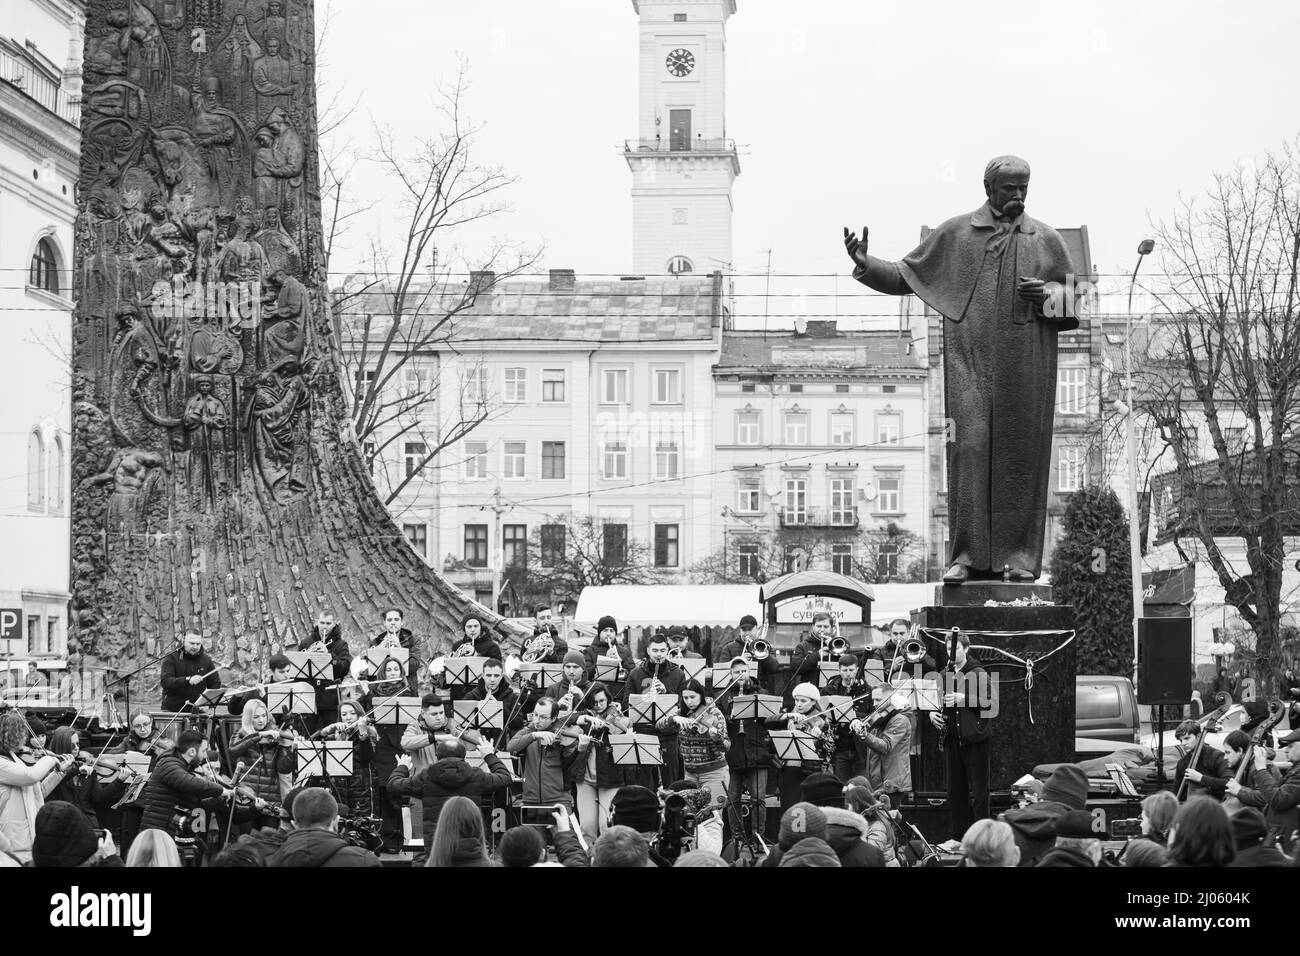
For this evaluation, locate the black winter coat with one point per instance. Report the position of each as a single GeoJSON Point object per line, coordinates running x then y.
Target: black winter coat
{"type": "Point", "coordinates": [449, 777]}
{"type": "Point", "coordinates": [177, 669]}
{"type": "Point", "coordinates": [320, 848]}
{"type": "Point", "coordinates": [327, 701]}
{"type": "Point", "coordinates": [749, 749]}
{"type": "Point", "coordinates": [172, 784]}
{"type": "Point", "coordinates": [263, 764]}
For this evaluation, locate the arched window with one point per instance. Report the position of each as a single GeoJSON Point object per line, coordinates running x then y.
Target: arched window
{"type": "Point", "coordinates": [45, 269]}
{"type": "Point", "coordinates": [58, 468]}
{"type": "Point", "coordinates": [679, 265]}
{"type": "Point", "coordinates": [35, 472]}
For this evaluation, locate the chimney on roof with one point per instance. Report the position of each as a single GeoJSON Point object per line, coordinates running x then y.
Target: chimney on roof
{"type": "Point", "coordinates": [562, 280]}
{"type": "Point", "coordinates": [481, 282]}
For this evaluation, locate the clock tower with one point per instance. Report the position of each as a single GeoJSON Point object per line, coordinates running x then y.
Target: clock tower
{"type": "Point", "coordinates": [682, 162]}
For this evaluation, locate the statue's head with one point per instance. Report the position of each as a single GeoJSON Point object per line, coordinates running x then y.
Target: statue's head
{"type": "Point", "coordinates": [271, 217]}
{"type": "Point", "coordinates": [203, 383]}
{"type": "Point", "coordinates": [1006, 184]}
{"type": "Point", "coordinates": [273, 8]}
{"type": "Point", "coordinates": [273, 46]}
{"type": "Point", "coordinates": [212, 92]}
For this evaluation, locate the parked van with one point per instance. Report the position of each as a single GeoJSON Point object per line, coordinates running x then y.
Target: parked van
{"type": "Point", "coordinates": [1105, 711]}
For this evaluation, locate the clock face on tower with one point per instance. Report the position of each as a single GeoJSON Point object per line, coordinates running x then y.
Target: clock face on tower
{"type": "Point", "coordinates": [680, 62]}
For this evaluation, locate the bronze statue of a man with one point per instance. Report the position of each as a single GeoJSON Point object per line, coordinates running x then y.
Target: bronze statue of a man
{"type": "Point", "coordinates": [997, 277]}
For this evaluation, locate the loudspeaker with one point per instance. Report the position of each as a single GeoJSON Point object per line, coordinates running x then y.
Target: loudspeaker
{"type": "Point", "coordinates": [1164, 660]}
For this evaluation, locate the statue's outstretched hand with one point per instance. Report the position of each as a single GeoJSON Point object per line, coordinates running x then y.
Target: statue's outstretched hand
{"type": "Point", "coordinates": [855, 247]}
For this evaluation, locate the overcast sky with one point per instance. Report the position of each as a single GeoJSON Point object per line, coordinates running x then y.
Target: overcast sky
{"type": "Point", "coordinates": [848, 113]}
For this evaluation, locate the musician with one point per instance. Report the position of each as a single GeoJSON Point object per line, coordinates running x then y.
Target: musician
{"type": "Point", "coordinates": [280, 667]}
{"type": "Point", "coordinates": [748, 756]}
{"type": "Point", "coordinates": [39, 732]}
{"type": "Point", "coordinates": [107, 794]}
{"type": "Point", "coordinates": [742, 646]}
{"type": "Point", "coordinates": [263, 759]}
{"type": "Point", "coordinates": [355, 793]}
{"type": "Point", "coordinates": [1278, 798]}
{"type": "Point", "coordinates": [807, 654]}
{"type": "Point", "coordinates": [965, 739]}
{"type": "Point", "coordinates": [1211, 773]}
{"type": "Point", "coordinates": [393, 682]}
{"type": "Point", "coordinates": [435, 721]}
{"type": "Point", "coordinates": [75, 787]}
{"type": "Point", "coordinates": [606, 644]}
{"type": "Point", "coordinates": [550, 761]}
{"type": "Point", "coordinates": [327, 635]}
{"type": "Point", "coordinates": [887, 738]}
{"type": "Point", "coordinates": [393, 633]}
{"type": "Point", "coordinates": [899, 629]}
{"type": "Point", "coordinates": [473, 632]}
{"type": "Point", "coordinates": [701, 741]}
{"type": "Point", "coordinates": [569, 689]}
{"type": "Point", "coordinates": [186, 672]}
{"type": "Point", "coordinates": [493, 684]}
{"type": "Point", "coordinates": [679, 644]}
{"type": "Point", "coordinates": [848, 758]}
{"type": "Point", "coordinates": [805, 715]}
{"type": "Point", "coordinates": [603, 777]}
{"type": "Point", "coordinates": [25, 778]}
{"type": "Point", "coordinates": [174, 783]}
{"type": "Point", "coordinates": [657, 675]}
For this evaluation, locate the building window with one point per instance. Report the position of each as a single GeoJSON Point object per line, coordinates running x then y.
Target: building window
{"type": "Point", "coordinates": [365, 382]}
{"type": "Point", "coordinates": [796, 501]}
{"type": "Point", "coordinates": [411, 381]}
{"type": "Point", "coordinates": [57, 466]}
{"type": "Point", "coordinates": [796, 428]}
{"type": "Point", "coordinates": [35, 472]}
{"type": "Point", "coordinates": [514, 459]}
{"type": "Point", "coordinates": [551, 538]}
{"type": "Point", "coordinates": [476, 460]}
{"type": "Point", "coordinates": [841, 428]}
{"type": "Point", "coordinates": [747, 560]}
{"type": "Point", "coordinates": [514, 545]}
{"type": "Point", "coordinates": [748, 428]}
{"type": "Point", "coordinates": [516, 386]}
{"type": "Point", "coordinates": [368, 453]}
{"type": "Point", "coordinates": [887, 561]}
{"type": "Point", "coordinates": [667, 460]}
{"type": "Point", "coordinates": [1072, 390]}
{"type": "Point", "coordinates": [552, 459]}
{"type": "Point", "coordinates": [615, 544]}
{"type": "Point", "coordinates": [842, 389]}
{"type": "Point", "coordinates": [842, 510]}
{"type": "Point", "coordinates": [747, 498]}
{"type": "Point", "coordinates": [794, 559]}
{"type": "Point", "coordinates": [33, 634]}
{"type": "Point", "coordinates": [796, 388]}
{"type": "Point", "coordinates": [476, 545]}
{"type": "Point", "coordinates": [888, 428]}
{"type": "Point", "coordinates": [44, 271]}
{"type": "Point", "coordinates": [615, 460]}
{"type": "Point", "coordinates": [476, 385]}
{"type": "Point", "coordinates": [747, 386]}
{"type": "Point", "coordinates": [666, 545]}
{"type": "Point", "coordinates": [552, 385]}
{"type": "Point", "coordinates": [679, 18]}
{"type": "Point", "coordinates": [679, 265]}
{"type": "Point", "coordinates": [1070, 469]}
{"type": "Point", "coordinates": [418, 535]}
{"type": "Point", "coordinates": [889, 389]}
{"type": "Point", "coordinates": [842, 558]}
{"type": "Point", "coordinates": [413, 453]}
{"type": "Point", "coordinates": [668, 386]}
{"type": "Point", "coordinates": [614, 386]}
{"type": "Point", "coordinates": [1235, 438]}
{"type": "Point", "coordinates": [888, 496]}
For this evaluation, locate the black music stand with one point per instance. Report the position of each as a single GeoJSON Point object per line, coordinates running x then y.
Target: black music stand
{"type": "Point", "coordinates": [479, 715]}
{"type": "Point", "coordinates": [636, 750]}
{"type": "Point", "coordinates": [397, 711]}
{"type": "Point", "coordinates": [323, 758]}
{"type": "Point", "coordinates": [755, 707]}
{"type": "Point", "coordinates": [651, 708]}
{"type": "Point", "coordinates": [464, 671]}
{"type": "Point", "coordinates": [310, 666]}
{"type": "Point", "coordinates": [608, 670]}
{"type": "Point", "coordinates": [794, 746]}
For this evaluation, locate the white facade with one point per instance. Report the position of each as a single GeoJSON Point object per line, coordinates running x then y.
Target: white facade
{"type": "Point", "coordinates": [682, 163]}
{"type": "Point", "coordinates": [39, 142]}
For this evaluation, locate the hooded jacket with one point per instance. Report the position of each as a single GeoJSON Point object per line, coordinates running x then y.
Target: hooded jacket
{"type": "Point", "coordinates": [811, 852]}
{"type": "Point", "coordinates": [449, 777]}
{"type": "Point", "coordinates": [847, 834]}
{"type": "Point", "coordinates": [314, 848]}
{"type": "Point", "coordinates": [1065, 856]}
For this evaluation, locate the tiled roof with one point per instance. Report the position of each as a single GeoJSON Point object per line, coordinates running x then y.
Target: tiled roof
{"type": "Point", "coordinates": [1177, 510]}
{"type": "Point", "coordinates": [869, 349]}
{"type": "Point", "coordinates": [614, 310]}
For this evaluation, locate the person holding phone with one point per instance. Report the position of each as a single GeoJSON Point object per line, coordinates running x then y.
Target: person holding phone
{"type": "Point", "coordinates": [63, 837]}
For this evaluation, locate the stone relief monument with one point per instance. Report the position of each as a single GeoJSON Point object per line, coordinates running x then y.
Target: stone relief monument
{"type": "Point", "coordinates": [216, 485]}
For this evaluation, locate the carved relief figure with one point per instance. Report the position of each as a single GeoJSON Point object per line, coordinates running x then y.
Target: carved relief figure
{"type": "Point", "coordinates": [103, 47]}
{"type": "Point", "coordinates": [278, 161]}
{"type": "Point", "coordinates": [238, 51]}
{"type": "Point", "coordinates": [150, 63]}
{"type": "Point", "coordinates": [133, 474]}
{"type": "Point", "coordinates": [281, 251]}
{"type": "Point", "coordinates": [270, 424]}
{"type": "Point", "coordinates": [220, 138]}
{"type": "Point", "coordinates": [283, 328]}
{"type": "Point", "coordinates": [205, 423]}
{"type": "Point", "coordinates": [271, 76]}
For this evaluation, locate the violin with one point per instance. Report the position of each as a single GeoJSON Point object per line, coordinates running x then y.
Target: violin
{"type": "Point", "coordinates": [104, 767]}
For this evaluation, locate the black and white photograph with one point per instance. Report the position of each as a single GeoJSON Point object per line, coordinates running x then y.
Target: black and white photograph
{"type": "Point", "coordinates": [649, 434]}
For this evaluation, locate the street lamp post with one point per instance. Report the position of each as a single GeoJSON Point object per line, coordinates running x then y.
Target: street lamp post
{"type": "Point", "coordinates": [1134, 547]}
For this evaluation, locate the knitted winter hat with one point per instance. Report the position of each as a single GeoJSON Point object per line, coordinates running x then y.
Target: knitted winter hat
{"type": "Point", "coordinates": [822, 790]}
{"type": "Point", "coordinates": [801, 821]}
{"type": "Point", "coordinates": [811, 851]}
{"type": "Point", "coordinates": [806, 690]}
{"type": "Point", "coordinates": [606, 621]}
{"type": "Point", "coordinates": [1248, 828]}
{"type": "Point", "coordinates": [62, 837]}
{"type": "Point", "coordinates": [1068, 784]}
{"type": "Point", "coordinates": [636, 807]}
{"type": "Point", "coordinates": [575, 657]}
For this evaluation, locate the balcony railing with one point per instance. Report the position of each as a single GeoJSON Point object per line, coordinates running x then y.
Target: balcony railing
{"type": "Point", "coordinates": [668, 145]}
{"type": "Point", "coordinates": [35, 85]}
{"type": "Point", "coordinates": [820, 518]}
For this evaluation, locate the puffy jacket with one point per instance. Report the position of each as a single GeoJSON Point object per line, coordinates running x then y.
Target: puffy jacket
{"type": "Point", "coordinates": [177, 669]}
{"type": "Point", "coordinates": [320, 848]}
{"type": "Point", "coordinates": [1034, 828]}
{"type": "Point", "coordinates": [22, 794]}
{"type": "Point", "coordinates": [266, 766]}
{"type": "Point", "coordinates": [811, 852]}
{"type": "Point", "coordinates": [356, 792]}
{"type": "Point", "coordinates": [1279, 799]}
{"type": "Point", "coordinates": [449, 777]}
{"type": "Point", "coordinates": [1260, 856]}
{"type": "Point", "coordinates": [847, 834]}
{"type": "Point", "coordinates": [172, 784]}
{"type": "Point", "coordinates": [1064, 856]}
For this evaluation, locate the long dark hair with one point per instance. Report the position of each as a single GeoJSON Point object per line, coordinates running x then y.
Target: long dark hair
{"type": "Point", "coordinates": [1202, 835]}
{"type": "Point", "coordinates": [460, 821]}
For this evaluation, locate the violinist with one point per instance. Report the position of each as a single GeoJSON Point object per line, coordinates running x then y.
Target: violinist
{"type": "Point", "coordinates": [657, 675]}
{"type": "Point", "coordinates": [806, 716]}
{"type": "Point", "coordinates": [887, 737]}
{"type": "Point", "coordinates": [435, 722]}
{"type": "Point", "coordinates": [748, 757]}
{"type": "Point", "coordinates": [326, 635]}
{"type": "Point", "coordinates": [552, 755]}
{"type": "Point", "coordinates": [493, 684]}
{"type": "Point", "coordinates": [26, 776]}
{"type": "Point", "coordinates": [355, 793]}
{"type": "Point", "coordinates": [263, 757]}
{"type": "Point", "coordinates": [393, 682]}
{"type": "Point", "coordinates": [118, 797]}
{"type": "Point", "coordinates": [174, 782]}
{"type": "Point", "coordinates": [603, 777]}
{"type": "Point", "coordinates": [186, 672]}
{"type": "Point", "coordinates": [848, 758]}
{"type": "Point", "coordinates": [702, 741]}
{"type": "Point", "coordinates": [74, 788]}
